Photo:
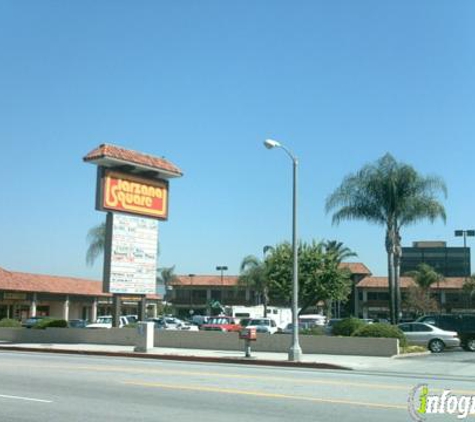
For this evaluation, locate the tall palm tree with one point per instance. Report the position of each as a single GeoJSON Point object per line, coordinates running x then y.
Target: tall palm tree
{"type": "Point", "coordinates": [96, 236]}
{"type": "Point", "coordinates": [393, 195]}
{"type": "Point", "coordinates": [253, 274]}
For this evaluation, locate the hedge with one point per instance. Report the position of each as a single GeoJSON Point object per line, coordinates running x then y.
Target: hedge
{"type": "Point", "coordinates": [51, 323]}
{"type": "Point", "coordinates": [382, 330]}
{"type": "Point", "coordinates": [347, 326]}
{"type": "Point", "coordinates": [10, 323]}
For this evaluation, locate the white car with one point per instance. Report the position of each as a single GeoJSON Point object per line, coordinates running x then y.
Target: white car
{"type": "Point", "coordinates": [105, 321]}
{"type": "Point", "coordinates": [263, 325]}
{"type": "Point", "coordinates": [426, 335]}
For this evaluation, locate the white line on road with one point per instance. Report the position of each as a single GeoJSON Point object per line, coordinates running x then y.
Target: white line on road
{"type": "Point", "coordinates": [24, 398]}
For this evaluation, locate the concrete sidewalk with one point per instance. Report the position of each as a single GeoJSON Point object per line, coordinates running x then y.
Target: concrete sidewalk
{"type": "Point", "coordinates": [423, 365]}
{"type": "Point", "coordinates": [226, 356]}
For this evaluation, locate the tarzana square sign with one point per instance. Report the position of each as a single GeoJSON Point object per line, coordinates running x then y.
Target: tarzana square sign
{"type": "Point", "coordinates": [134, 195]}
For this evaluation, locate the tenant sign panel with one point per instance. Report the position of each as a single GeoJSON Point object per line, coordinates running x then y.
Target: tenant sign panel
{"type": "Point", "coordinates": [133, 255]}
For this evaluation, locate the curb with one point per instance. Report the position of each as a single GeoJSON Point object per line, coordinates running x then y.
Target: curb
{"type": "Point", "coordinates": [411, 355]}
{"type": "Point", "coordinates": [205, 359]}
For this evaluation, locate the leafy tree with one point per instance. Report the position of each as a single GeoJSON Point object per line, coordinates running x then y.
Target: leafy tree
{"type": "Point", "coordinates": [419, 298]}
{"type": "Point", "coordinates": [469, 286]}
{"type": "Point", "coordinates": [254, 275]}
{"type": "Point", "coordinates": [320, 277]}
{"type": "Point", "coordinates": [393, 195]}
{"type": "Point", "coordinates": [96, 236]}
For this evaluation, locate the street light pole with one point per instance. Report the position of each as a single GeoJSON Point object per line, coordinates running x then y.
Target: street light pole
{"type": "Point", "coordinates": [191, 293]}
{"type": "Point", "coordinates": [465, 233]}
{"type": "Point", "coordinates": [295, 351]}
{"type": "Point", "coordinates": [222, 268]}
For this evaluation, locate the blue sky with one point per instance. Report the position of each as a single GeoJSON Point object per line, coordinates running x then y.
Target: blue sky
{"type": "Point", "coordinates": [204, 83]}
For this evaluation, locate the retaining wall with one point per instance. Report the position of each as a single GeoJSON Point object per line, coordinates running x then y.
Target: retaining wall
{"type": "Point", "coordinates": [206, 340]}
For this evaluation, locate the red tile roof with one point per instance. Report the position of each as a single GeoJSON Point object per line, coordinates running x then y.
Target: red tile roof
{"type": "Point", "coordinates": [382, 283]}
{"type": "Point", "coordinates": [205, 280]}
{"type": "Point", "coordinates": [132, 157]}
{"type": "Point", "coordinates": [356, 267]}
{"type": "Point", "coordinates": [232, 280]}
{"type": "Point", "coordinates": [39, 283]}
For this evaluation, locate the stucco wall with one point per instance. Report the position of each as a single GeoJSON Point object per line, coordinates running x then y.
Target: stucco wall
{"type": "Point", "coordinates": [206, 340]}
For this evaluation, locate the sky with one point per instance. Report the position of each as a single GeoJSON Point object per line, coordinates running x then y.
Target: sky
{"type": "Point", "coordinates": [203, 84]}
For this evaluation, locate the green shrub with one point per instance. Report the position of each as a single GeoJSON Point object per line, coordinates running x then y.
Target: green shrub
{"type": "Point", "coordinates": [347, 326]}
{"type": "Point", "coordinates": [51, 323]}
{"type": "Point", "coordinates": [131, 325]}
{"type": "Point", "coordinates": [9, 323]}
{"type": "Point", "coordinates": [382, 330]}
{"type": "Point", "coordinates": [313, 331]}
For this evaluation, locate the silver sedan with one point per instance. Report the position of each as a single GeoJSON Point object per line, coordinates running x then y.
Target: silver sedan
{"type": "Point", "coordinates": [426, 335]}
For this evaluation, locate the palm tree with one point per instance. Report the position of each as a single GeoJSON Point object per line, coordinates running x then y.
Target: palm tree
{"type": "Point", "coordinates": [425, 276]}
{"type": "Point", "coordinates": [96, 236]}
{"type": "Point", "coordinates": [254, 274]}
{"type": "Point", "coordinates": [393, 195]}
{"type": "Point", "coordinates": [339, 253]}
{"type": "Point", "coordinates": [166, 276]}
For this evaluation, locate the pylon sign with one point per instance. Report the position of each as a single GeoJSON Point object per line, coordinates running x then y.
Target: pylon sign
{"type": "Point", "coordinates": [133, 189]}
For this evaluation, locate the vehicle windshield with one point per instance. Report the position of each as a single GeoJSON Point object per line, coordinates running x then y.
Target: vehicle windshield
{"type": "Point", "coordinates": [259, 322]}
{"type": "Point", "coordinates": [220, 320]}
{"type": "Point", "coordinates": [104, 320]}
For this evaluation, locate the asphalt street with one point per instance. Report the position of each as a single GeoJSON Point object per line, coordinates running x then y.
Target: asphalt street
{"type": "Point", "coordinates": [57, 388]}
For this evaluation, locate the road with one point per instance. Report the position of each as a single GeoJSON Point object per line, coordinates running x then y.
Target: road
{"type": "Point", "coordinates": [57, 388]}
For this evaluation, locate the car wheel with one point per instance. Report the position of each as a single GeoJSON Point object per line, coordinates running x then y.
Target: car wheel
{"type": "Point", "coordinates": [470, 345]}
{"type": "Point", "coordinates": [436, 346]}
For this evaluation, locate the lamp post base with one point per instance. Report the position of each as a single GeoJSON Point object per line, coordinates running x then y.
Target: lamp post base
{"type": "Point", "coordinates": [295, 353]}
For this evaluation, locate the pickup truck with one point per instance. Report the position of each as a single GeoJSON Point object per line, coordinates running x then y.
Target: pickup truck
{"type": "Point", "coordinates": [222, 323]}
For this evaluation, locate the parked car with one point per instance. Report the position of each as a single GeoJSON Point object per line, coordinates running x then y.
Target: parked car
{"type": "Point", "coordinates": [464, 324]}
{"type": "Point", "coordinates": [222, 323]}
{"type": "Point", "coordinates": [426, 335]}
{"type": "Point", "coordinates": [330, 324]}
{"type": "Point", "coordinates": [167, 323]}
{"type": "Point", "coordinates": [288, 329]}
{"type": "Point", "coordinates": [313, 319]}
{"type": "Point", "coordinates": [105, 321]}
{"type": "Point", "coordinates": [263, 325]}
{"type": "Point", "coordinates": [77, 323]}
{"type": "Point", "coordinates": [31, 322]}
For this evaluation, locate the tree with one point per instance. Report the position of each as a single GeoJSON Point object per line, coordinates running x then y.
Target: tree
{"type": "Point", "coordinates": [419, 299]}
{"type": "Point", "coordinates": [320, 276]}
{"type": "Point", "coordinates": [254, 275]}
{"type": "Point", "coordinates": [425, 276]}
{"type": "Point", "coordinates": [340, 253]}
{"type": "Point", "coordinates": [96, 236]}
{"type": "Point", "coordinates": [166, 276]}
{"type": "Point", "coordinates": [393, 195]}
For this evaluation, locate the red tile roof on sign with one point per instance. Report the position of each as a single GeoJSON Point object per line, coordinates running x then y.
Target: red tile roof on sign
{"type": "Point", "coordinates": [205, 280]}
{"type": "Point", "coordinates": [382, 283]}
{"type": "Point", "coordinates": [39, 283]}
{"type": "Point", "coordinates": [128, 156]}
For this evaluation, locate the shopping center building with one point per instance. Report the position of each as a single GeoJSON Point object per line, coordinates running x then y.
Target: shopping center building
{"type": "Point", "coordinates": [23, 295]}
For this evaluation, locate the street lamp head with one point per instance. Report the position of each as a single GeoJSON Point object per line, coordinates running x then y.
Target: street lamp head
{"type": "Point", "coordinates": [270, 143]}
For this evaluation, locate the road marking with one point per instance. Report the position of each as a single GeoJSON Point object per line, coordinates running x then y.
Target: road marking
{"type": "Point", "coordinates": [264, 394]}
{"type": "Point", "coordinates": [4, 396]}
{"type": "Point", "coordinates": [344, 382]}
